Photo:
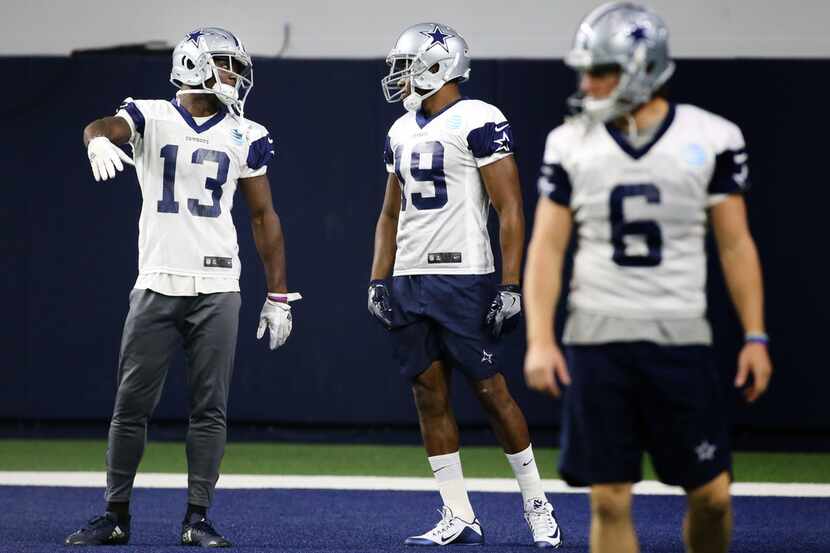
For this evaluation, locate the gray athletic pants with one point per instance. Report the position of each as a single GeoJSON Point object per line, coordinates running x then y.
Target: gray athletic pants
{"type": "Point", "coordinates": [156, 324]}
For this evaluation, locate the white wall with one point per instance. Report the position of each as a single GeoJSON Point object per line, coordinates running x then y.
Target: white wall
{"type": "Point", "coordinates": [367, 28]}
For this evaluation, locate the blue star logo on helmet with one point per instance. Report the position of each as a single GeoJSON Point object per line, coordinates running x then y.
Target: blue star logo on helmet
{"type": "Point", "coordinates": [438, 37]}
{"type": "Point", "coordinates": [638, 33]}
{"type": "Point", "coordinates": [195, 35]}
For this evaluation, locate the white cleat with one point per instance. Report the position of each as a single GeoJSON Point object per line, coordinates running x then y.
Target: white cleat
{"type": "Point", "coordinates": [542, 521]}
{"type": "Point", "coordinates": [450, 530]}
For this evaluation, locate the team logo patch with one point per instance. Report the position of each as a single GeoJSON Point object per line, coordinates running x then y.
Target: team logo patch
{"type": "Point", "coordinates": [237, 136]}
{"type": "Point", "coordinates": [454, 121]}
{"type": "Point", "coordinates": [695, 155]}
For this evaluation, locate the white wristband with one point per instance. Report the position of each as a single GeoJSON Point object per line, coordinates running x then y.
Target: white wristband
{"type": "Point", "coordinates": [284, 297]}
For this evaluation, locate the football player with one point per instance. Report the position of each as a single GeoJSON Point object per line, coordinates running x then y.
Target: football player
{"type": "Point", "coordinates": [448, 158]}
{"type": "Point", "coordinates": [190, 153]}
{"type": "Point", "coordinates": [637, 178]}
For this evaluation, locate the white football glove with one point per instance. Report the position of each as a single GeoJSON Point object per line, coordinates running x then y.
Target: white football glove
{"type": "Point", "coordinates": [276, 317]}
{"type": "Point", "coordinates": [105, 158]}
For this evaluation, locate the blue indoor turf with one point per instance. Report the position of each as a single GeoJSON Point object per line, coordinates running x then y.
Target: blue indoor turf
{"type": "Point", "coordinates": [36, 519]}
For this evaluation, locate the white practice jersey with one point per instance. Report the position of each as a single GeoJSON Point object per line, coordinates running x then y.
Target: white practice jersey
{"type": "Point", "coordinates": [188, 175]}
{"type": "Point", "coordinates": [640, 213]}
{"type": "Point", "coordinates": [442, 227]}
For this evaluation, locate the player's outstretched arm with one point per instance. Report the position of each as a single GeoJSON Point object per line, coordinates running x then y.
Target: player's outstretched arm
{"type": "Point", "coordinates": [544, 363]}
{"type": "Point", "coordinates": [386, 233]}
{"type": "Point", "coordinates": [742, 271]}
{"type": "Point", "coordinates": [101, 138]}
{"type": "Point", "coordinates": [501, 179]}
{"type": "Point", "coordinates": [114, 129]}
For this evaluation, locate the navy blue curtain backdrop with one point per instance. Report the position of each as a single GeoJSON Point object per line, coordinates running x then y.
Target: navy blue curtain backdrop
{"type": "Point", "coordinates": [68, 244]}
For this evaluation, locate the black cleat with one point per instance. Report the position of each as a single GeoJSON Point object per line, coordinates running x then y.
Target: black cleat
{"type": "Point", "coordinates": [201, 533]}
{"type": "Point", "coordinates": [101, 530]}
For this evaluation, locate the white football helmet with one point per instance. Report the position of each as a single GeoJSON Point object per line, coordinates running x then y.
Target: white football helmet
{"type": "Point", "coordinates": [634, 40]}
{"type": "Point", "coordinates": [194, 64]}
{"type": "Point", "coordinates": [417, 50]}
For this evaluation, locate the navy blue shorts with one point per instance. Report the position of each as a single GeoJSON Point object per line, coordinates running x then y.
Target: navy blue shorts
{"type": "Point", "coordinates": [627, 398]}
{"type": "Point", "coordinates": [441, 317]}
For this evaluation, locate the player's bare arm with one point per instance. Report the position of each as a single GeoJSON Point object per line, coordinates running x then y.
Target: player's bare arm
{"type": "Point", "coordinates": [742, 270]}
{"type": "Point", "coordinates": [114, 129]}
{"type": "Point", "coordinates": [386, 230]}
{"type": "Point", "coordinates": [544, 362]}
{"type": "Point", "coordinates": [267, 230]}
{"type": "Point", "coordinates": [268, 237]}
{"type": "Point", "coordinates": [101, 138]}
{"type": "Point", "coordinates": [501, 179]}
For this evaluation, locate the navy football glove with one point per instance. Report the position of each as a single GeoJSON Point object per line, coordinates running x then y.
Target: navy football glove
{"type": "Point", "coordinates": [379, 304]}
{"type": "Point", "coordinates": [502, 317]}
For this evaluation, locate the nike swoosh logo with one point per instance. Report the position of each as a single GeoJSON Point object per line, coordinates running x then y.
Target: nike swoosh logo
{"type": "Point", "coordinates": [440, 468]}
{"type": "Point", "coordinates": [499, 129]}
{"type": "Point", "coordinates": [526, 464]}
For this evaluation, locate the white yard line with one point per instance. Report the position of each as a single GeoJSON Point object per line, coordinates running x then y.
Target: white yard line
{"type": "Point", "coordinates": [257, 481]}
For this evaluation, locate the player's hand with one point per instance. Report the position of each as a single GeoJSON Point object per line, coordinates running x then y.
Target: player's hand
{"type": "Point", "coordinates": [544, 364]}
{"type": "Point", "coordinates": [276, 317]}
{"type": "Point", "coordinates": [105, 158]}
{"type": "Point", "coordinates": [379, 303]}
{"type": "Point", "coordinates": [753, 359]}
{"type": "Point", "coordinates": [504, 310]}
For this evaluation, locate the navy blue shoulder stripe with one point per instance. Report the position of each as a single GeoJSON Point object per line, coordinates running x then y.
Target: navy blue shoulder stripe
{"type": "Point", "coordinates": [555, 183]}
{"type": "Point", "coordinates": [137, 117]}
{"type": "Point", "coordinates": [260, 152]}
{"type": "Point", "coordinates": [388, 156]}
{"type": "Point", "coordinates": [731, 174]}
{"type": "Point", "coordinates": [491, 138]}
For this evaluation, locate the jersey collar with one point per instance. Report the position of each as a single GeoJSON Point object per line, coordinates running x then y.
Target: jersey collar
{"type": "Point", "coordinates": [423, 120]}
{"type": "Point", "coordinates": [637, 153]}
{"type": "Point", "coordinates": [210, 123]}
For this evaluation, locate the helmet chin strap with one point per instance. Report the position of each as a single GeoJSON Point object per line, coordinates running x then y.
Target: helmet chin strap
{"type": "Point", "coordinates": [414, 101]}
{"type": "Point", "coordinates": [226, 94]}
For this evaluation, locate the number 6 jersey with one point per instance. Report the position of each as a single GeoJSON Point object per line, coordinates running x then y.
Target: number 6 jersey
{"type": "Point", "coordinates": [442, 226]}
{"type": "Point", "coordinates": [188, 174]}
{"type": "Point", "coordinates": [640, 213]}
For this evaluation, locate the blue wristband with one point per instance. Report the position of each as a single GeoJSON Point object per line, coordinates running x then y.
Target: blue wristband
{"type": "Point", "coordinates": [756, 338]}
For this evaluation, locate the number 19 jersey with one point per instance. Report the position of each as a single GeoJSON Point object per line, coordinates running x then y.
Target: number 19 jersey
{"type": "Point", "coordinates": [442, 226]}
{"type": "Point", "coordinates": [188, 173]}
{"type": "Point", "coordinates": [640, 213]}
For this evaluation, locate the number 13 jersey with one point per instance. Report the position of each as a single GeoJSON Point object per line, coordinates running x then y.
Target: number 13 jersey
{"type": "Point", "coordinates": [640, 213]}
{"type": "Point", "coordinates": [188, 173]}
{"type": "Point", "coordinates": [442, 225]}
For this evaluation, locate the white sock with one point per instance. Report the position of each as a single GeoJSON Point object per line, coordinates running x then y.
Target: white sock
{"type": "Point", "coordinates": [447, 471]}
{"type": "Point", "coordinates": [524, 467]}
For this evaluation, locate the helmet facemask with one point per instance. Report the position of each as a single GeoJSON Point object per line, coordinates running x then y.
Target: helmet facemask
{"type": "Point", "coordinates": [625, 97]}
{"type": "Point", "coordinates": [412, 70]}
{"type": "Point", "coordinates": [240, 69]}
